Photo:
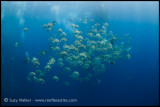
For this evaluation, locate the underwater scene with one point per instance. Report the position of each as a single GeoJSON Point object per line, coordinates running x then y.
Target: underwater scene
{"type": "Point", "coordinates": [79, 53]}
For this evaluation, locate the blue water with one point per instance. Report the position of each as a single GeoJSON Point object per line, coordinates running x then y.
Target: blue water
{"type": "Point", "coordinates": [133, 82]}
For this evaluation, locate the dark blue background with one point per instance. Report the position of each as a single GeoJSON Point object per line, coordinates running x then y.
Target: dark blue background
{"type": "Point", "coordinates": [128, 82]}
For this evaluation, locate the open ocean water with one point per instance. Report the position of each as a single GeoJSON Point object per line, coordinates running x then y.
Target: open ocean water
{"type": "Point", "coordinates": [127, 82]}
